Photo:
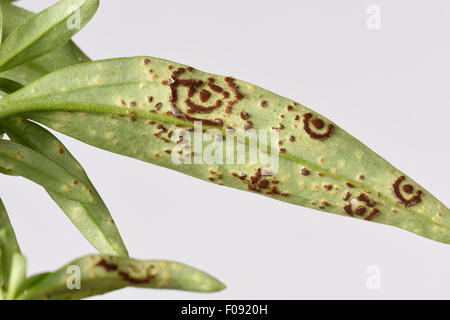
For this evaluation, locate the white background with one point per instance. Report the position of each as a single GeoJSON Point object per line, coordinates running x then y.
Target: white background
{"type": "Point", "coordinates": [388, 87]}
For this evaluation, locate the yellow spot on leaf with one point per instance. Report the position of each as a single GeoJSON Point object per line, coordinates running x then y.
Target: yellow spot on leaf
{"type": "Point", "coordinates": [76, 212]}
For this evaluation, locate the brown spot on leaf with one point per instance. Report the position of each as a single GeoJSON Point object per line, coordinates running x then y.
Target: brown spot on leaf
{"type": "Point", "coordinates": [372, 214]}
{"type": "Point", "coordinates": [305, 172]}
{"type": "Point", "coordinates": [407, 202]}
{"type": "Point", "coordinates": [360, 210]}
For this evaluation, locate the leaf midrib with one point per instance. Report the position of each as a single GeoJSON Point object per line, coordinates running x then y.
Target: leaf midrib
{"type": "Point", "coordinates": [45, 106]}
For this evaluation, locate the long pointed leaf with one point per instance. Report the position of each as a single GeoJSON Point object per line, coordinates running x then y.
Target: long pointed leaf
{"type": "Point", "coordinates": [49, 29]}
{"type": "Point", "coordinates": [17, 275]}
{"type": "Point", "coordinates": [101, 274]}
{"type": "Point", "coordinates": [18, 160]}
{"type": "Point", "coordinates": [93, 220]}
{"type": "Point", "coordinates": [8, 246]}
{"type": "Point", "coordinates": [68, 54]}
{"type": "Point", "coordinates": [5, 224]}
{"type": "Point", "coordinates": [326, 169]}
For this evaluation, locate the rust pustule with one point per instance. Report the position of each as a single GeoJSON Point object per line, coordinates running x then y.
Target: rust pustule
{"type": "Point", "coordinates": [248, 125]}
{"type": "Point", "coordinates": [204, 95]}
{"type": "Point", "coordinates": [318, 123]}
{"type": "Point", "coordinates": [212, 86]}
{"type": "Point", "coordinates": [360, 210]}
{"type": "Point", "coordinates": [407, 188]}
{"type": "Point", "coordinates": [106, 265]}
{"type": "Point", "coordinates": [307, 119]}
{"type": "Point", "coordinates": [369, 202]}
{"type": "Point", "coordinates": [237, 94]}
{"type": "Point", "coordinates": [348, 209]}
{"type": "Point", "coordinates": [407, 202]}
{"type": "Point", "coordinates": [372, 214]}
{"type": "Point", "coordinates": [305, 172]}
{"type": "Point", "coordinates": [193, 87]}
{"type": "Point", "coordinates": [244, 115]}
{"type": "Point", "coordinates": [128, 278]}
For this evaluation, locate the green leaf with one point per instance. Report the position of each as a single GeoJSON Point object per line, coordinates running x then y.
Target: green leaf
{"type": "Point", "coordinates": [1, 25]}
{"type": "Point", "coordinates": [101, 274]}
{"type": "Point", "coordinates": [49, 29]}
{"type": "Point", "coordinates": [8, 246]}
{"type": "Point", "coordinates": [5, 224]}
{"type": "Point", "coordinates": [9, 86]}
{"type": "Point", "coordinates": [17, 276]}
{"type": "Point", "coordinates": [32, 281]}
{"type": "Point", "coordinates": [93, 220]}
{"type": "Point", "coordinates": [18, 160]}
{"type": "Point", "coordinates": [336, 174]}
{"type": "Point", "coordinates": [60, 57]}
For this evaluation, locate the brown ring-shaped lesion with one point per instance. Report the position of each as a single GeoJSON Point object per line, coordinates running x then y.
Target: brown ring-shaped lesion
{"type": "Point", "coordinates": [193, 86]}
{"type": "Point", "coordinates": [318, 124]}
{"type": "Point", "coordinates": [408, 189]}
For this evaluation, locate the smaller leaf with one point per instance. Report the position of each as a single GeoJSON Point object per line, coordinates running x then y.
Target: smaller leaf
{"type": "Point", "coordinates": [19, 160]}
{"type": "Point", "coordinates": [47, 30]}
{"type": "Point", "coordinates": [93, 220]}
{"type": "Point", "coordinates": [2, 280]}
{"type": "Point", "coordinates": [8, 246]}
{"type": "Point", "coordinates": [5, 224]}
{"type": "Point", "coordinates": [32, 281]}
{"type": "Point", "coordinates": [17, 276]}
{"type": "Point", "coordinates": [101, 274]}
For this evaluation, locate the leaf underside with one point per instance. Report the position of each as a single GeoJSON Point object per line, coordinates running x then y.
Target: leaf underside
{"type": "Point", "coordinates": [342, 162]}
{"type": "Point", "coordinates": [18, 160]}
{"type": "Point", "coordinates": [92, 219]}
{"type": "Point", "coordinates": [321, 168]}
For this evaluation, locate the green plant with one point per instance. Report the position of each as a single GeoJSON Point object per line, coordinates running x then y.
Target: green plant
{"type": "Point", "coordinates": [150, 109]}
